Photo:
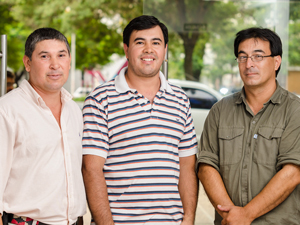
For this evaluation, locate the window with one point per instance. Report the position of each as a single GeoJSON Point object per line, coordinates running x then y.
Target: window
{"type": "Point", "coordinates": [200, 99]}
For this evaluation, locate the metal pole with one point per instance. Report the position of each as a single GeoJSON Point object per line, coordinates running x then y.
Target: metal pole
{"type": "Point", "coordinates": [3, 56]}
{"type": "Point", "coordinates": [165, 64]}
{"type": "Point", "coordinates": [73, 62]}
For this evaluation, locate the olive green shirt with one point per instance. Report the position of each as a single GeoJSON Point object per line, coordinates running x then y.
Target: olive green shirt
{"type": "Point", "coordinates": [248, 150]}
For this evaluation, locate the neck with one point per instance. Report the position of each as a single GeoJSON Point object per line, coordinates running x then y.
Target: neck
{"type": "Point", "coordinates": [53, 101]}
{"type": "Point", "coordinates": [257, 97]}
{"type": "Point", "coordinates": [147, 86]}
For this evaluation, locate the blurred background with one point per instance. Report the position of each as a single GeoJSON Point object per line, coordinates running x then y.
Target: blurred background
{"type": "Point", "coordinates": [201, 36]}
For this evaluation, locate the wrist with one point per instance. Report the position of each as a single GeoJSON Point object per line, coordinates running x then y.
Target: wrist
{"type": "Point", "coordinates": [188, 218]}
{"type": "Point", "coordinates": [249, 213]}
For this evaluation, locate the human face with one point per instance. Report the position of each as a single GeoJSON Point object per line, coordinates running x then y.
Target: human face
{"type": "Point", "coordinates": [49, 66]}
{"type": "Point", "coordinates": [146, 52]}
{"type": "Point", "coordinates": [262, 73]}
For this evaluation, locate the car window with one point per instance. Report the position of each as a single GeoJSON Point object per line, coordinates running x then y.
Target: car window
{"type": "Point", "coordinates": [200, 99]}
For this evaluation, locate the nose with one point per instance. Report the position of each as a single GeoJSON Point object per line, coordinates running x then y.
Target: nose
{"type": "Point", "coordinates": [148, 48]}
{"type": "Point", "coordinates": [54, 63]}
{"type": "Point", "coordinates": [249, 62]}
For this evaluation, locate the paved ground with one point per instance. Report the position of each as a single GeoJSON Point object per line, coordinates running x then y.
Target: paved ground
{"type": "Point", "coordinates": [204, 216]}
{"type": "Point", "coordinates": [205, 211]}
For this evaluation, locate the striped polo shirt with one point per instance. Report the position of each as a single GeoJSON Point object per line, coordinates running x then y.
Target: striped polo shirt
{"type": "Point", "coordinates": [142, 143]}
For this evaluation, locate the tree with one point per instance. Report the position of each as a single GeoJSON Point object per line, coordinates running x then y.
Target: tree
{"type": "Point", "coordinates": [16, 35]}
{"type": "Point", "coordinates": [96, 37]}
{"type": "Point", "coordinates": [189, 19]}
{"type": "Point", "coordinates": [294, 37]}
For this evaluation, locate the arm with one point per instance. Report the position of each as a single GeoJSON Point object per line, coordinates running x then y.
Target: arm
{"type": "Point", "coordinates": [214, 187]}
{"type": "Point", "coordinates": [96, 189]}
{"type": "Point", "coordinates": [8, 137]}
{"type": "Point", "coordinates": [188, 188]}
{"type": "Point", "coordinates": [274, 193]}
{"type": "Point", "coordinates": [79, 221]}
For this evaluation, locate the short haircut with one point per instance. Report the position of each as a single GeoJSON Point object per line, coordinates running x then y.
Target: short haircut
{"type": "Point", "coordinates": [142, 23]}
{"type": "Point", "coordinates": [42, 34]}
{"type": "Point", "coordinates": [10, 74]}
{"type": "Point", "coordinates": [263, 34]}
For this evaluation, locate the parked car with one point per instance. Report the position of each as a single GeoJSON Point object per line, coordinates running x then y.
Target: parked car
{"type": "Point", "coordinates": [201, 97]}
{"type": "Point", "coordinates": [82, 92]}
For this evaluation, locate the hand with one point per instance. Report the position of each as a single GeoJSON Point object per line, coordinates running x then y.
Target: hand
{"type": "Point", "coordinates": [236, 215]}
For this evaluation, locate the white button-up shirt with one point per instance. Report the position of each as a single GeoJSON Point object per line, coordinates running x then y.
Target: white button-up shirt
{"type": "Point", "coordinates": [40, 163]}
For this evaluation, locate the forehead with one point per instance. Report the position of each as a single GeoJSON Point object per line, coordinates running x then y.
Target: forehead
{"type": "Point", "coordinates": [254, 44]}
{"type": "Point", "coordinates": [151, 33]}
{"type": "Point", "coordinates": [50, 45]}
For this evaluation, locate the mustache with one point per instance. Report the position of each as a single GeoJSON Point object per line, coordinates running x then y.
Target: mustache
{"type": "Point", "coordinates": [251, 70]}
{"type": "Point", "coordinates": [147, 54]}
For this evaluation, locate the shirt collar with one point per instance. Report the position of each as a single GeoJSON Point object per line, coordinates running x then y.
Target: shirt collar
{"type": "Point", "coordinates": [122, 86]}
{"type": "Point", "coordinates": [28, 89]}
{"type": "Point", "coordinates": [275, 98]}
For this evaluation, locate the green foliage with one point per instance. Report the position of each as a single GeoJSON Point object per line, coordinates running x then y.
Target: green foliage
{"type": "Point", "coordinates": [294, 35]}
{"type": "Point", "coordinates": [16, 35]}
{"type": "Point", "coordinates": [98, 25]}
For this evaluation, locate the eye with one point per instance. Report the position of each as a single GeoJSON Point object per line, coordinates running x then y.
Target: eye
{"type": "Point", "coordinates": [43, 56]}
{"type": "Point", "coordinates": [62, 55]}
{"type": "Point", "coordinates": [139, 42]}
{"type": "Point", "coordinates": [156, 43]}
{"type": "Point", "coordinates": [258, 57]}
{"type": "Point", "coordinates": [242, 58]}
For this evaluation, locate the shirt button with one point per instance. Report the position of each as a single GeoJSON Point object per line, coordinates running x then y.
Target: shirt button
{"type": "Point", "coordinates": [245, 166]}
{"type": "Point", "coordinates": [254, 122]}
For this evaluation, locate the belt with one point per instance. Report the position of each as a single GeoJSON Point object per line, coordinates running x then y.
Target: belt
{"type": "Point", "coordinates": [20, 220]}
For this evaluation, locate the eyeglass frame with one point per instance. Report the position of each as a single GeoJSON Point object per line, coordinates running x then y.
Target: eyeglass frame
{"type": "Point", "coordinates": [252, 56]}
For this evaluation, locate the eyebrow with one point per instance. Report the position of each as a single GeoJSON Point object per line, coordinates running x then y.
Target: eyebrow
{"type": "Point", "coordinates": [255, 51]}
{"type": "Point", "coordinates": [143, 39]}
{"type": "Point", "coordinates": [45, 52]}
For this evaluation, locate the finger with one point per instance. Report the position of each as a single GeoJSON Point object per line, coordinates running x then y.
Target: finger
{"type": "Point", "coordinates": [224, 208]}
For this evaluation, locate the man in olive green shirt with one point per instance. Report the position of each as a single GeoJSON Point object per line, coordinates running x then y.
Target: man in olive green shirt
{"type": "Point", "coordinates": [249, 157]}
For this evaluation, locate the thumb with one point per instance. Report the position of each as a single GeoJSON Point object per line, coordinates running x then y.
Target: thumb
{"type": "Point", "coordinates": [224, 208]}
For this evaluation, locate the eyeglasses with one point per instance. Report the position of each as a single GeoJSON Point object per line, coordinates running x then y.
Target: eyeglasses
{"type": "Point", "coordinates": [254, 58]}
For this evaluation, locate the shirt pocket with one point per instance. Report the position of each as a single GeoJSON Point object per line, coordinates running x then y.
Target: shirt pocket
{"type": "Point", "coordinates": [230, 144]}
{"type": "Point", "coordinates": [267, 144]}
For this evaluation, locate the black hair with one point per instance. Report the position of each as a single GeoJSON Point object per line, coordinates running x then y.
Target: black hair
{"type": "Point", "coordinates": [142, 23]}
{"type": "Point", "coordinates": [263, 34]}
{"type": "Point", "coordinates": [42, 34]}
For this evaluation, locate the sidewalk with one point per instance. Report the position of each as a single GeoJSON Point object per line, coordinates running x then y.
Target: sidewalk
{"type": "Point", "coordinates": [205, 213]}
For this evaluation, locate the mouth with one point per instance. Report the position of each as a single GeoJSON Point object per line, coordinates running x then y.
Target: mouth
{"type": "Point", "coordinates": [54, 76]}
{"type": "Point", "coordinates": [148, 59]}
{"type": "Point", "coordinates": [251, 74]}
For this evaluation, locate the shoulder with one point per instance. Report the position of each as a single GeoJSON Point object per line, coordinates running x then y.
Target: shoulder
{"type": "Point", "coordinates": [289, 100]}
{"type": "Point", "coordinates": [12, 99]}
{"type": "Point", "coordinates": [177, 92]}
{"type": "Point", "coordinates": [103, 90]}
{"type": "Point", "coordinates": [228, 102]}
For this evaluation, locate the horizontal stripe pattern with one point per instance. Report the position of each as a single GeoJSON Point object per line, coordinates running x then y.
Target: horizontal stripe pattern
{"type": "Point", "coordinates": [142, 143]}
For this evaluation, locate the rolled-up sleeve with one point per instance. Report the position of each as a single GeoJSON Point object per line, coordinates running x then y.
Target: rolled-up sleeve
{"type": "Point", "coordinates": [208, 146]}
{"type": "Point", "coordinates": [289, 147]}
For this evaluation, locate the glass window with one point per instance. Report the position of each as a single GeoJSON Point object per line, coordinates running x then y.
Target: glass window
{"type": "Point", "coordinates": [200, 99]}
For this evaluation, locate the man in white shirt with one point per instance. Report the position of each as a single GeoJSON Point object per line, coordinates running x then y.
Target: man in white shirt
{"type": "Point", "coordinates": [40, 136]}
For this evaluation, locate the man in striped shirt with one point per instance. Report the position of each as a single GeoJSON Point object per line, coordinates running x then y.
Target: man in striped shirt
{"type": "Point", "coordinates": [139, 142]}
